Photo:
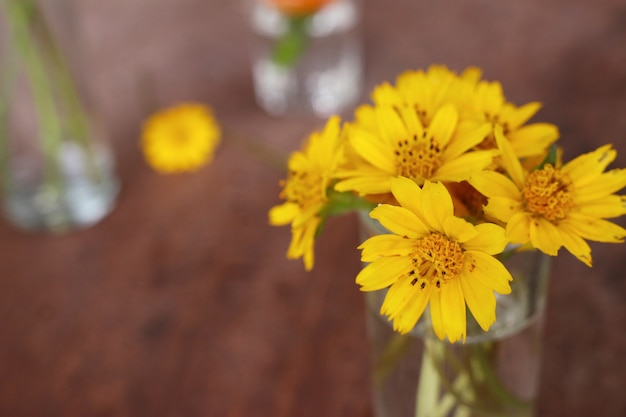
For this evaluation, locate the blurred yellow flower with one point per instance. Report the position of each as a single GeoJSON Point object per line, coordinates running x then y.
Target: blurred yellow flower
{"type": "Point", "coordinates": [305, 190]}
{"type": "Point", "coordinates": [181, 138]}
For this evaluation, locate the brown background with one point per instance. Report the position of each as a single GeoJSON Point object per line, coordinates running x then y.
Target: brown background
{"type": "Point", "coordinates": [180, 303]}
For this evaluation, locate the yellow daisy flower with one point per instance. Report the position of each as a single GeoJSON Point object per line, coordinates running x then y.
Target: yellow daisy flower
{"type": "Point", "coordinates": [305, 190]}
{"type": "Point", "coordinates": [432, 257]}
{"type": "Point", "coordinates": [181, 138]}
{"type": "Point", "coordinates": [488, 104]}
{"type": "Point", "coordinates": [552, 207]}
{"type": "Point", "coordinates": [394, 142]}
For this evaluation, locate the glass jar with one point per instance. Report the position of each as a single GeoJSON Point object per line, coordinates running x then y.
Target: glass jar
{"type": "Point", "coordinates": [306, 61]}
{"type": "Point", "coordinates": [494, 374]}
{"type": "Point", "coordinates": [57, 167]}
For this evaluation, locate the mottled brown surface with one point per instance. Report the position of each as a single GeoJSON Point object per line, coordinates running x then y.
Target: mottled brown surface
{"type": "Point", "coordinates": [180, 303]}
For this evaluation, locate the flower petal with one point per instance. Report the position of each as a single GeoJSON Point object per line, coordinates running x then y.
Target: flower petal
{"type": "Point", "coordinates": [545, 236]}
{"type": "Point", "coordinates": [509, 158]}
{"type": "Point", "coordinates": [488, 270]}
{"type": "Point", "coordinates": [465, 142]}
{"type": "Point", "coordinates": [436, 205]}
{"type": "Point", "coordinates": [490, 239]}
{"type": "Point", "coordinates": [407, 193]}
{"type": "Point", "coordinates": [592, 228]}
{"type": "Point", "coordinates": [494, 184]}
{"type": "Point", "coordinates": [502, 208]}
{"type": "Point", "coordinates": [399, 221]}
{"type": "Point", "coordinates": [436, 315]}
{"type": "Point", "coordinates": [443, 125]}
{"type": "Point", "coordinates": [382, 273]}
{"type": "Point", "coordinates": [283, 214]}
{"type": "Point", "coordinates": [372, 149]}
{"type": "Point", "coordinates": [453, 310]}
{"type": "Point", "coordinates": [480, 300]}
{"type": "Point", "coordinates": [575, 244]}
{"type": "Point", "coordinates": [533, 139]}
{"type": "Point", "coordinates": [405, 319]}
{"type": "Point", "coordinates": [385, 245]}
{"type": "Point", "coordinates": [461, 168]}
{"type": "Point", "coordinates": [378, 184]}
{"type": "Point", "coordinates": [606, 207]}
{"type": "Point", "coordinates": [459, 230]}
{"type": "Point", "coordinates": [518, 228]}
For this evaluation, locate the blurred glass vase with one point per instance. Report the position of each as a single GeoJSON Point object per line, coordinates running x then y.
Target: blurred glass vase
{"type": "Point", "coordinates": [306, 55]}
{"type": "Point", "coordinates": [57, 170]}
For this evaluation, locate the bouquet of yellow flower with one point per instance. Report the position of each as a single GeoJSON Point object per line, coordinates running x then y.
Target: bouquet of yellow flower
{"type": "Point", "coordinates": [454, 180]}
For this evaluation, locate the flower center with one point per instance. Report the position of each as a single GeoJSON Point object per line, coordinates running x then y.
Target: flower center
{"type": "Point", "coordinates": [302, 188]}
{"type": "Point", "coordinates": [417, 158]}
{"type": "Point", "coordinates": [548, 192]}
{"type": "Point", "coordinates": [436, 260]}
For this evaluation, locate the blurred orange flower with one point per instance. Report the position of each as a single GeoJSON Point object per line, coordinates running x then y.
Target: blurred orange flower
{"type": "Point", "coordinates": [299, 7]}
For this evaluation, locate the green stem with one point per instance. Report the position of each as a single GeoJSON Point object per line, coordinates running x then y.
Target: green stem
{"type": "Point", "coordinates": [293, 43]}
{"type": "Point", "coordinates": [20, 17]}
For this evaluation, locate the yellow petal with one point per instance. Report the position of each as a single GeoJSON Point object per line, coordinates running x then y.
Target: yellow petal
{"type": "Point", "coordinates": [436, 315]}
{"type": "Point", "coordinates": [605, 207]}
{"type": "Point", "coordinates": [391, 127]}
{"type": "Point", "coordinates": [502, 208]}
{"type": "Point", "coordinates": [509, 159]}
{"type": "Point", "coordinates": [365, 185]}
{"type": "Point", "coordinates": [399, 221]}
{"type": "Point", "coordinates": [522, 114]}
{"type": "Point", "coordinates": [373, 150]}
{"type": "Point", "coordinates": [436, 205]}
{"type": "Point", "coordinates": [461, 168]}
{"type": "Point", "coordinates": [494, 184]}
{"type": "Point", "coordinates": [405, 319]}
{"type": "Point", "coordinates": [586, 167]}
{"type": "Point", "coordinates": [443, 125]}
{"type": "Point", "coordinates": [601, 186]}
{"type": "Point", "coordinates": [453, 310]}
{"type": "Point", "coordinates": [518, 228]}
{"type": "Point", "coordinates": [544, 236]}
{"type": "Point", "coordinates": [382, 273]}
{"type": "Point", "coordinates": [490, 239]}
{"type": "Point", "coordinates": [575, 244]}
{"type": "Point", "coordinates": [283, 214]}
{"type": "Point", "coordinates": [533, 139]}
{"type": "Point", "coordinates": [480, 300]}
{"type": "Point", "coordinates": [592, 228]}
{"type": "Point", "coordinates": [459, 230]}
{"type": "Point", "coordinates": [465, 142]}
{"type": "Point", "coordinates": [488, 270]}
{"type": "Point", "coordinates": [407, 193]}
{"type": "Point", "coordinates": [385, 245]}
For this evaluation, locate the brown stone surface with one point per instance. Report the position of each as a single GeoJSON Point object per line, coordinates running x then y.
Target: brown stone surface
{"type": "Point", "coordinates": [181, 303]}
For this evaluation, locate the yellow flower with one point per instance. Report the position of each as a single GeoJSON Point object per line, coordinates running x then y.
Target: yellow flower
{"type": "Point", "coordinates": [488, 104]}
{"type": "Point", "coordinates": [180, 138]}
{"type": "Point", "coordinates": [305, 190]}
{"type": "Point", "coordinates": [394, 142]}
{"type": "Point", "coordinates": [432, 257]}
{"type": "Point", "coordinates": [552, 207]}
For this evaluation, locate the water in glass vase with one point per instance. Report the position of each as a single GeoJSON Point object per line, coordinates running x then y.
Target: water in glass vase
{"type": "Point", "coordinates": [322, 74]}
{"type": "Point", "coordinates": [492, 374]}
{"type": "Point", "coordinates": [77, 193]}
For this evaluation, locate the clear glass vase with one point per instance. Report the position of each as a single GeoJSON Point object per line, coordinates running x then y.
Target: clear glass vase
{"type": "Point", "coordinates": [306, 63]}
{"type": "Point", "coordinates": [494, 374]}
{"type": "Point", "coordinates": [57, 169]}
